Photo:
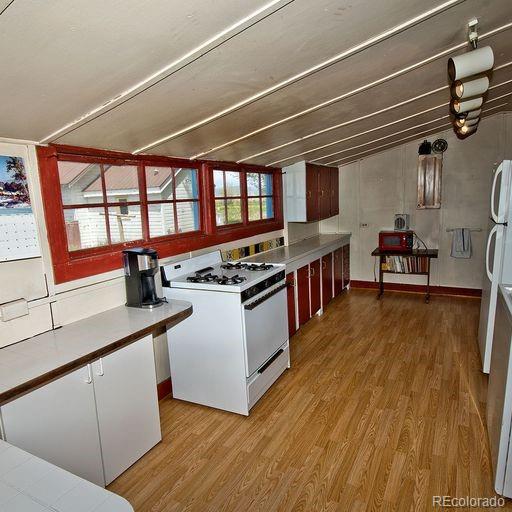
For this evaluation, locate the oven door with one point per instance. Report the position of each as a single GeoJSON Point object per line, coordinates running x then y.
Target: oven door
{"type": "Point", "coordinates": [265, 326]}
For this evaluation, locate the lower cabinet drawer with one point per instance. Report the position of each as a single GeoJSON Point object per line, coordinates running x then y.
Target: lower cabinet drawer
{"type": "Point", "coordinates": [258, 384]}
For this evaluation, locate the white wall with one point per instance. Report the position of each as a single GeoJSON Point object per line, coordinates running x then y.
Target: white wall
{"type": "Point", "coordinates": [373, 189]}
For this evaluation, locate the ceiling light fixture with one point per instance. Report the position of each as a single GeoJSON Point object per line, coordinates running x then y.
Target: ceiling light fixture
{"type": "Point", "coordinates": [467, 89]}
{"type": "Point", "coordinates": [462, 89]}
{"type": "Point", "coordinates": [459, 107]}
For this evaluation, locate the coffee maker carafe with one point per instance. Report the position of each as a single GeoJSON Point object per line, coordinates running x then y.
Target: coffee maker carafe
{"type": "Point", "coordinates": [140, 268]}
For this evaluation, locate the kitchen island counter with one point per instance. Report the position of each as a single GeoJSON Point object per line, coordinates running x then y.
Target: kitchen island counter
{"type": "Point", "coordinates": [32, 363]}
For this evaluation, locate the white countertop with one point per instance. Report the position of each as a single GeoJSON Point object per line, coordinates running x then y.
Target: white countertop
{"type": "Point", "coordinates": [30, 484]}
{"type": "Point", "coordinates": [29, 364]}
{"type": "Point", "coordinates": [297, 250]}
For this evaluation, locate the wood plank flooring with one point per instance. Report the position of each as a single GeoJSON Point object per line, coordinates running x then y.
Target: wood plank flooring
{"type": "Point", "coordinates": [384, 407]}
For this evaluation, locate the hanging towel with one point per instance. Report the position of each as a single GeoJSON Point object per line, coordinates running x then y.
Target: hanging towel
{"type": "Point", "coordinates": [461, 243]}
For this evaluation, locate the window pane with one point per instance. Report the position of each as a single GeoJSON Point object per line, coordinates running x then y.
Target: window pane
{"type": "Point", "coordinates": [125, 227]}
{"type": "Point", "coordinates": [220, 212]}
{"type": "Point", "coordinates": [85, 228]}
{"type": "Point", "coordinates": [266, 184]}
{"type": "Point", "coordinates": [121, 181]}
{"type": "Point", "coordinates": [232, 183]}
{"type": "Point", "coordinates": [254, 209]}
{"type": "Point", "coordinates": [161, 219]}
{"type": "Point", "coordinates": [253, 184]}
{"type": "Point", "coordinates": [186, 184]}
{"type": "Point", "coordinates": [218, 180]}
{"type": "Point", "coordinates": [80, 183]}
{"type": "Point", "coordinates": [159, 183]}
{"type": "Point", "coordinates": [234, 211]}
{"type": "Point", "coordinates": [268, 207]}
{"type": "Point", "coordinates": [188, 216]}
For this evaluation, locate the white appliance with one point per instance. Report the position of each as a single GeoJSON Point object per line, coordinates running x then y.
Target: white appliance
{"type": "Point", "coordinates": [234, 346]}
{"type": "Point", "coordinates": [499, 395]}
{"type": "Point", "coordinates": [498, 257]}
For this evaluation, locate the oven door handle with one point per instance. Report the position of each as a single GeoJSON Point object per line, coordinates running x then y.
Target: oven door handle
{"type": "Point", "coordinates": [265, 297]}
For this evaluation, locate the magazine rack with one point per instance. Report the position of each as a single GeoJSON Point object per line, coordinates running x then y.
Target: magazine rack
{"type": "Point", "coordinates": [416, 262]}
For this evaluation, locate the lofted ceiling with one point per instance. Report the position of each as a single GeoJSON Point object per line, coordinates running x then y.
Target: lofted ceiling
{"type": "Point", "coordinates": [260, 82]}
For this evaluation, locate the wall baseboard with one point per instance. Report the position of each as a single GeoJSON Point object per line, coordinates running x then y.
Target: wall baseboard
{"type": "Point", "coordinates": [419, 288]}
{"type": "Point", "coordinates": [164, 388]}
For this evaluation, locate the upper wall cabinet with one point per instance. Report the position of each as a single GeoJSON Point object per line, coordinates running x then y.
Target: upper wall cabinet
{"type": "Point", "coordinates": [311, 192]}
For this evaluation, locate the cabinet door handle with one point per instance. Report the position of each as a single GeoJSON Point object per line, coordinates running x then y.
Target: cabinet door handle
{"type": "Point", "coordinates": [309, 194]}
{"type": "Point", "coordinates": [101, 372]}
{"type": "Point", "coordinates": [324, 264]}
{"type": "Point", "coordinates": [88, 380]}
{"type": "Point", "coordinates": [312, 271]}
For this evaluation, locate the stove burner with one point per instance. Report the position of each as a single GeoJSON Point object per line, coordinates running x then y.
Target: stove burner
{"type": "Point", "coordinates": [236, 279]}
{"type": "Point", "coordinates": [199, 278]}
{"type": "Point", "coordinates": [233, 266]}
{"type": "Point", "coordinates": [254, 267]}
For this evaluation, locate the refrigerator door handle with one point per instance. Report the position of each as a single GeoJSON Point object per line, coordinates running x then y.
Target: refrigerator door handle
{"type": "Point", "coordinates": [487, 269]}
{"type": "Point", "coordinates": [494, 215]}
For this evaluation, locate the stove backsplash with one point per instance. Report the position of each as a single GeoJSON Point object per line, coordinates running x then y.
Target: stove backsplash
{"type": "Point", "coordinates": [249, 250]}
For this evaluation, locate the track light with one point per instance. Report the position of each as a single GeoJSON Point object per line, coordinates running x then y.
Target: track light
{"type": "Point", "coordinates": [471, 63]}
{"type": "Point", "coordinates": [459, 107]}
{"type": "Point", "coordinates": [473, 114]}
{"type": "Point", "coordinates": [462, 89]}
{"type": "Point", "coordinates": [460, 121]}
{"type": "Point", "coordinates": [467, 90]}
{"type": "Point", "coordinates": [467, 130]}
{"type": "Point", "coordinates": [472, 122]}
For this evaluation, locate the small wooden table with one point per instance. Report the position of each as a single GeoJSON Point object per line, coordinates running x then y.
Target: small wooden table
{"type": "Point", "coordinates": [417, 253]}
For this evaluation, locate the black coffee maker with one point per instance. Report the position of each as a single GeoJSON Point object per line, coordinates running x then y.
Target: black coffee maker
{"type": "Point", "coordinates": [140, 268]}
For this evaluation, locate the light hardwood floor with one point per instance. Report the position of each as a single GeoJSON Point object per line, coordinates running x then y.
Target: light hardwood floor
{"type": "Point", "coordinates": [384, 406]}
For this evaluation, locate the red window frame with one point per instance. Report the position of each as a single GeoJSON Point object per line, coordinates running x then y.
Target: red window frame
{"type": "Point", "coordinates": [244, 196]}
{"type": "Point", "coordinates": [68, 266]}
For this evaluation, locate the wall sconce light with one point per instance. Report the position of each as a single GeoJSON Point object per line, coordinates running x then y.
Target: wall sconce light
{"type": "Point", "coordinates": [462, 89]}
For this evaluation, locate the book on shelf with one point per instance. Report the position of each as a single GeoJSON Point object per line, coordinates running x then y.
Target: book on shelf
{"type": "Point", "coordinates": [405, 264]}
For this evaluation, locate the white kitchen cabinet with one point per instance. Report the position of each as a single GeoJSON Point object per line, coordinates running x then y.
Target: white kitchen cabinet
{"type": "Point", "coordinates": [94, 422]}
{"type": "Point", "coordinates": [127, 406]}
{"type": "Point", "coordinates": [57, 423]}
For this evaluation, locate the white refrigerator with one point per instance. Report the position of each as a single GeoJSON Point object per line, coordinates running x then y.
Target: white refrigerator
{"type": "Point", "coordinates": [499, 395]}
{"type": "Point", "coordinates": [498, 257]}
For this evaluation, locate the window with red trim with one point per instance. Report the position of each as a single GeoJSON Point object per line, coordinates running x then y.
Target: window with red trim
{"type": "Point", "coordinates": [173, 200]}
{"type": "Point", "coordinates": [260, 200]}
{"type": "Point", "coordinates": [242, 197]}
{"type": "Point", "coordinates": [99, 202]}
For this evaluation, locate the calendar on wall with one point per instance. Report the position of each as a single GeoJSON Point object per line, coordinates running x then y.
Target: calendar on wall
{"type": "Point", "coordinates": [18, 230]}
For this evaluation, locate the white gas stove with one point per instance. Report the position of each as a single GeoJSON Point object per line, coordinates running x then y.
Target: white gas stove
{"type": "Point", "coordinates": [235, 344]}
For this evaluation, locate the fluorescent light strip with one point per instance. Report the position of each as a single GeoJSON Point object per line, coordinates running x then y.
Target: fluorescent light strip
{"type": "Point", "coordinates": [377, 147]}
{"type": "Point", "coordinates": [373, 141]}
{"type": "Point", "coordinates": [341, 125]}
{"type": "Point", "coordinates": [158, 74]}
{"type": "Point", "coordinates": [352, 161]}
{"type": "Point", "coordinates": [302, 74]}
{"type": "Point", "coordinates": [366, 117]}
{"type": "Point", "coordinates": [494, 108]}
{"type": "Point", "coordinates": [351, 93]}
{"type": "Point", "coordinates": [413, 136]}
